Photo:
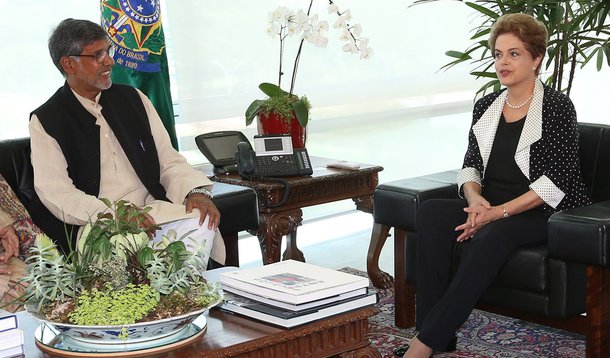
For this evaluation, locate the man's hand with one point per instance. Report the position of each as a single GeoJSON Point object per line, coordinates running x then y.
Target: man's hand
{"type": "Point", "coordinates": [206, 208]}
{"type": "Point", "coordinates": [10, 243]}
{"type": "Point", "coordinates": [149, 224]}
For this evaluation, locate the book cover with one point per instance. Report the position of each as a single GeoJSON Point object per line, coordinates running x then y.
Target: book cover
{"type": "Point", "coordinates": [7, 322]}
{"type": "Point", "coordinates": [293, 281]}
{"type": "Point", "coordinates": [16, 351]}
{"type": "Point", "coordinates": [11, 338]}
{"type": "Point", "coordinates": [287, 318]}
{"type": "Point", "coordinates": [297, 307]}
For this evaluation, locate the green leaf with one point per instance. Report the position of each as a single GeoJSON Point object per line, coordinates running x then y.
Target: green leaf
{"type": "Point", "coordinates": [483, 10]}
{"type": "Point", "coordinates": [253, 110]}
{"type": "Point", "coordinates": [590, 56]}
{"type": "Point", "coordinates": [607, 51]}
{"type": "Point", "coordinates": [600, 59]}
{"type": "Point", "coordinates": [481, 34]}
{"type": "Point", "coordinates": [145, 255]}
{"type": "Point", "coordinates": [494, 85]}
{"type": "Point", "coordinates": [301, 111]}
{"type": "Point", "coordinates": [272, 90]}
{"type": "Point", "coordinates": [457, 54]}
{"type": "Point", "coordinates": [484, 74]}
{"type": "Point", "coordinates": [176, 247]}
{"type": "Point", "coordinates": [106, 202]}
{"type": "Point", "coordinates": [102, 246]}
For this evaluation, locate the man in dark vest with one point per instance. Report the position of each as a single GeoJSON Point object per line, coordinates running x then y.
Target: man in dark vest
{"type": "Point", "coordinates": [94, 139]}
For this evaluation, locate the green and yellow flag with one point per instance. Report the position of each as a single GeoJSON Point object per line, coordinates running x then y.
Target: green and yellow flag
{"type": "Point", "coordinates": [134, 26]}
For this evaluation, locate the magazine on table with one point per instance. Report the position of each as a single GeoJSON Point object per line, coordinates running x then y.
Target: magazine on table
{"type": "Point", "coordinates": [16, 351]}
{"type": "Point", "coordinates": [11, 338]}
{"type": "Point", "coordinates": [293, 281]}
{"type": "Point", "coordinates": [8, 321]}
{"type": "Point", "coordinates": [288, 318]}
{"type": "Point", "coordinates": [298, 307]}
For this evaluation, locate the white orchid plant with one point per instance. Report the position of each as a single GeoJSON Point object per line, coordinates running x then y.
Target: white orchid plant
{"type": "Point", "coordinates": [285, 23]}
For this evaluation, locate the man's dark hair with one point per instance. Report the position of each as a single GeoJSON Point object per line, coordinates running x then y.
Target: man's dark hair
{"type": "Point", "coordinates": [71, 36]}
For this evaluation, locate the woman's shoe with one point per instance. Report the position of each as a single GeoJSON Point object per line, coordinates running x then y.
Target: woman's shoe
{"type": "Point", "coordinates": [402, 349]}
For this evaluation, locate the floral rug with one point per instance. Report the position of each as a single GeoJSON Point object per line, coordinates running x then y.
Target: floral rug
{"type": "Point", "coordinates": [483, 335]}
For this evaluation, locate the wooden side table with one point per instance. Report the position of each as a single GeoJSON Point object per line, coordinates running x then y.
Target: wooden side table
{"type": "Point", "coordinates": [325, 185]}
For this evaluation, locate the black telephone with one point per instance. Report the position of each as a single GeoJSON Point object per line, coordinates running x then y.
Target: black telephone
{"type": "Point", "coordinates": [273, 156]}
{"type": "Point", "coordinates": [219, 149]}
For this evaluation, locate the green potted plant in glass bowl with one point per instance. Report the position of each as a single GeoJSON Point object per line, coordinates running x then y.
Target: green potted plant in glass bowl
{"type": "Point", "coordinates": [284, 112]}
{"type": "Point", "coordinates": [117, 286]}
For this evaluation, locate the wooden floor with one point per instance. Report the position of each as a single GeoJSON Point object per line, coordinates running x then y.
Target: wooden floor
{"type": "Point", "coordinates": [336, 241]}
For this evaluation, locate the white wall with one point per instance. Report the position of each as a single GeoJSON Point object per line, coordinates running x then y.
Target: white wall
{"type": "Point", "coordinates": [221, 53]}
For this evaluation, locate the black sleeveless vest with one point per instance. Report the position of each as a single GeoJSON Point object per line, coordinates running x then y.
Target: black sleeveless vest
{"type": "Point", "coordinates": [74, 129]}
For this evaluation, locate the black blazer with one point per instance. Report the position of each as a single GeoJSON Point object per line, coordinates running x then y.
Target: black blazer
{"type": "Point", "coordinates": [547, 153]}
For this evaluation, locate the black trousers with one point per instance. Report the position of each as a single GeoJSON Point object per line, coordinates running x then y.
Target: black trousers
{"type": "Point", "coordinates": [444, 297]}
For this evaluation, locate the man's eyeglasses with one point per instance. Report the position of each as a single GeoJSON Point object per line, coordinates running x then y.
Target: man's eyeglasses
{"type": "Point", "coordinates": [101, 55]}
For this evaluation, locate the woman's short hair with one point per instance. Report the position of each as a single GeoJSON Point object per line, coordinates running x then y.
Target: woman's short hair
{"type": "Point", "coordinates": [528, 29]}
{"type": "Point", "coordinates": [71, 36]}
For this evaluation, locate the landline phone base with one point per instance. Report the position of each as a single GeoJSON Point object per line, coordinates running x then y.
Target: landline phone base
{"type": "Point", "coordinates": [273, 156]}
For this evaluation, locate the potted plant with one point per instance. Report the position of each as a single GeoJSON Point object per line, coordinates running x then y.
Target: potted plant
{"type": "Point", "coordinates": [578, 32]}
{"type": "Point", "coordinates": [283, 111]}
{"type": "Point", "coordinates": [117, 284]}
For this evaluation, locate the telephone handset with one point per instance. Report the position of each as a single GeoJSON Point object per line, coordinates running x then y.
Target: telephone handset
{"type": "Point", "coordinates": [273, 156]}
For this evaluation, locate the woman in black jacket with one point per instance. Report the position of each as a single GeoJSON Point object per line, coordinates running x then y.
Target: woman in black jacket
{"type": "Point", "coordinates": [521, 165]}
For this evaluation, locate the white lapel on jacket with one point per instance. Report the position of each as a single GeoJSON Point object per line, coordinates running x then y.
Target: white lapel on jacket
{"type": "Point", "coordinates": [485, 129]}
{"type": "Point", "coordinates": [532, 130]}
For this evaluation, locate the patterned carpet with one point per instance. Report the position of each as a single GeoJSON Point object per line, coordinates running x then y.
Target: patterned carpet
{"type": "Point", "coordinates": [483, 335]}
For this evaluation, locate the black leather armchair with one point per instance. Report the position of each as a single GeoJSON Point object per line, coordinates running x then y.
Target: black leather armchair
{"type": "Point", "coordinates": [564, 284]}
{"type": "Point", "coordinates": [238, 205]}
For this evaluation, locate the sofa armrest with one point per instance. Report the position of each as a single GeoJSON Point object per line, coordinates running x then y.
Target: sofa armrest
{"type": "Point", "coordinates": [581, 234]}
{"type": "Point", "coordinates": [238, 207]}
{"type": "Point", "coordinates": [395, 203]}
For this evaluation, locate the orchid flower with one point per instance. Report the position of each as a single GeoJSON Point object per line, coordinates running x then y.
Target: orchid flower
{"type": "Point", "coordinates": [283, 23]}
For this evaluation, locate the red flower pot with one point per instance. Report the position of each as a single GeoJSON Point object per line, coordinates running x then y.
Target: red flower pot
{"type": "Point", "coordinates": [272, 123]}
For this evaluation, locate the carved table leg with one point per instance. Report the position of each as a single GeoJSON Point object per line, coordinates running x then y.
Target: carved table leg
{"type": "Point", "coordinates": [292, 251]}
{"type": "Point", "coordinates": [380, 279]}
{"type": "Point", "coordinates": [272, 227]}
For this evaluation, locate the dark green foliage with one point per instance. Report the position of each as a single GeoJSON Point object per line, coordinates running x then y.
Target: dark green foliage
{"type": "Point", "coordinates": [578, 32]}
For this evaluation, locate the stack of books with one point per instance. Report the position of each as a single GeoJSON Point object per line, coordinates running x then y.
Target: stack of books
{"type": "Point", "coordinates": [290, 293]}
{"type": "Point", "coordinates": [11, 336]}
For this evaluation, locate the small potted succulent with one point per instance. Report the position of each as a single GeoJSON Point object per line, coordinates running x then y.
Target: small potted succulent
{"type": "Point", "coordinates": [118, 280]}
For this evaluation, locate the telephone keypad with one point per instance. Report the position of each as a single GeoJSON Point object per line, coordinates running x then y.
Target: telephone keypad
{"type": "Point", "coordinates": [276, 165]}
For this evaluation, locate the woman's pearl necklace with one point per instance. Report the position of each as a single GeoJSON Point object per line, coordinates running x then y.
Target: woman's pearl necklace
{"type": "Point", "coordinates": [518, 106]}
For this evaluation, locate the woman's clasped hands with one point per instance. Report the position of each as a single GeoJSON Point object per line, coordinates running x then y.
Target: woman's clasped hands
{"type": "Point", "coordinates": [480, 212]}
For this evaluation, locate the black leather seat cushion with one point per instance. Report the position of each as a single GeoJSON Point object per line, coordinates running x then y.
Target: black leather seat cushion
{"type": "Point", "coordinates": [396, 203]}
{"type": "Point", "coordinates": [238, 207]}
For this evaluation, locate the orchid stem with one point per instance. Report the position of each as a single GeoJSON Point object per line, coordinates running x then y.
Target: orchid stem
{"type": "Point", "coordinates": [279, 81]}
{"type": "Point", "coordinates": [298, 57]}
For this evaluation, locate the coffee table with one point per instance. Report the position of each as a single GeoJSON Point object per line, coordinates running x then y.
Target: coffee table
{"type": "Point", "coordinates": [230, 335]}
{"type": "Point", "coordinates": [278, 219]}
